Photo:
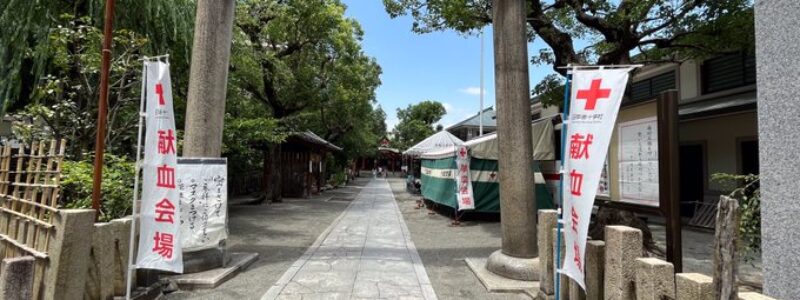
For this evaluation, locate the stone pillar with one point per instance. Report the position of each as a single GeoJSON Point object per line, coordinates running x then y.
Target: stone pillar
{"type": "Point", "coordinates": [595, 261]}
{"type": "Point", "coordinates": [548, 219]}
{"type": "Point", "coordinates": [623, 247]}
{"type": "Point", "coordinates": [655, 279]}
{"type": "Point", "coordinates": [575, 291]}
{"type": "Point", "coordinates": [109, 259]}
{"type": "Point", "coordinates": [693, 286]}
{"type": "Point", "coordinates": [777, 46]}
{"type": "Point", "coordinates": [68, 254]}
{"type": "Point", "coordinates": [16, 278]}
{"type": "Point", "coordinates": [518, 207]}
{"type": "Point", "coordinates": [205, 106]}
{"type": "Point", "coordinates": [724, 256]}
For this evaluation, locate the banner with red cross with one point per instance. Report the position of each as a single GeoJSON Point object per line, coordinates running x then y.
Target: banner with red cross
{"type": "Point", "coordinates": [595, 99]}
{"type": "Point", "coordinates": [464, 179]}
{"type": "Point", "coordinates": [159, 238]}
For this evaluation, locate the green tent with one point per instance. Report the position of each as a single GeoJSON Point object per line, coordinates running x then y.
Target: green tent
{"type": "Point", "coordinates": [439, 169]}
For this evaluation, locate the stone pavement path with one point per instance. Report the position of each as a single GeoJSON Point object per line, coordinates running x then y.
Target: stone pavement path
{"type": "Point", "coordinates": [367, 253]}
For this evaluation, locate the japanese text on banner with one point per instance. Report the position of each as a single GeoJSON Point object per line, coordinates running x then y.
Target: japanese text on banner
{"type": "Point", "coordinates": [595, 100]}
{"type": "Point", "coordinates": [464, 179]}
{"type": "Point", "coordinates": [159, 239]}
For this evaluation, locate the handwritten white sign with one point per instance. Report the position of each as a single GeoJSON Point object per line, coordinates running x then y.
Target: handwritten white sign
{"type": "Point", "coordinates": [203, 190]}
{"type": "Point", "coordinates": [638, 161]}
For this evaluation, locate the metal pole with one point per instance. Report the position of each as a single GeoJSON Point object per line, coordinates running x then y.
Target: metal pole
{"type": "Point", "coordinates": [480, 132]}
{"type": "Point", "coordinates": [102, 108]}
{"type": "Point", "coordinates": [564, 118]}
{"type": "Point", "coordinates": [134, 213]}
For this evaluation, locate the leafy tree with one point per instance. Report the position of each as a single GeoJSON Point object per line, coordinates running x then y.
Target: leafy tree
{"type": "Point", "coordinates": [619, 32]}
{"type": "Point", "coordinates": [302, 60]}
{"type": "Point", "coordinates": [417, 122]}
{"type": "Point", "coordinates": [65, 102]}
{"type": "Point", "coordinates": [25, 28]}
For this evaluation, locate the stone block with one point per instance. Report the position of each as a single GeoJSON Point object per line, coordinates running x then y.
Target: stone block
{"type": "Point", "coordinates": [655, 279]}
{"type": "Point", "coordinates": [594, 269]}
{"type": "Point", "coordinates": [548, 219]}
{"type": "Point", "coordinates": [109, 259]}
{"type": "Point", "coordinates": [576, 292]}
{"type": "Point", "coordinates": [693, 286]}
{"type": "Point", "coordinates": [69, 251]}
{"type": "Point", "coordinates": [623, 247]}
{"type": "Point", "coordinates": [16, 278]}
{"type": "Point", "coordinates": [753, 296]}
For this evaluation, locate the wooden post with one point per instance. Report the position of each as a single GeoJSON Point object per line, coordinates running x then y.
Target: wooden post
{"type": "Point", "coordinates": [668, 174]}
{"type": "Point", "coordinates": [725, 259]}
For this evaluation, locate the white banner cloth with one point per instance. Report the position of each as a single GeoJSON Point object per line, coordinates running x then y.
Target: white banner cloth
{"type": "Point", "coordinates": [464, 179]}
{"type": "Point", "coordinates": [595, 100]}
{"type": "Point", "coordinates": [203, 190]}
{"type": "Point", "coordinates": [159, 238]}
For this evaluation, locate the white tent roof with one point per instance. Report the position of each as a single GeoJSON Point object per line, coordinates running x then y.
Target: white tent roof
{"type": "Point", "coordinates": [442, 140]}
{"type": "Point", "coordinates": [486, 146]}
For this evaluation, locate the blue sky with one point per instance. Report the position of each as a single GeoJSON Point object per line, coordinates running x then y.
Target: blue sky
{"type": "Point", "coordinates": [441, 66]}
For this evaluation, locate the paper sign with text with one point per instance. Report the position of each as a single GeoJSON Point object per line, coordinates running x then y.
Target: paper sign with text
{"type": "Point", "coordinates": [595, 99]}
{"type": "Point", "coordinates": [159, 238]}
{"type": "Point", "coordinates": [203, 193]}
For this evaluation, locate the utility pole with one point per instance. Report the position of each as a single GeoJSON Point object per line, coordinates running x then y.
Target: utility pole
{"type": "Point", "coordinates": [205, 108]}
{"type": "Point", "coordinates": [102, 108]}
{"type": "Point", "coordinates": [517, 258]}
{"type": "Point", "coordinates": [480, 131]}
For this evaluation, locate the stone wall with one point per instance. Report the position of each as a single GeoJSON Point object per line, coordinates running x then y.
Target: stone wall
{"type": "Point", "coordinates": [615, 270]}
{"type": "Point", "coordinates": [108, 260]}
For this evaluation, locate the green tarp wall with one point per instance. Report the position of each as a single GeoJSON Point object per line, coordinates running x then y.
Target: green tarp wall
{"type": "Point", "coordinates": [438, 184]}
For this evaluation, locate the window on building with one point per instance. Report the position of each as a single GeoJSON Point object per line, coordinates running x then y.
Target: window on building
{"type": "Point", "coordinates": [727, 72]}
{"type": "Point", "coordinates": [650, 88]}
{"type": "Point", "coordinates": [748, 150]}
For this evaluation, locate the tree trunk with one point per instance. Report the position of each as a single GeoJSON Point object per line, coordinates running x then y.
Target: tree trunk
{"type": "Point", "coordinates": [272, 174]}
{"type": "Point", "coordinates": [208, 78]}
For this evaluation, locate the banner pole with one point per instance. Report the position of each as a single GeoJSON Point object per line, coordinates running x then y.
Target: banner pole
{"type": "Point", "coordinates": [142, 115]}
{"type": "Point", "coordinates": [564, 118]}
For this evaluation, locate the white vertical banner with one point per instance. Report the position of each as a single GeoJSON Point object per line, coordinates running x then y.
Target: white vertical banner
{"type": "Point", "coordinates": [159, 237]}
{"type": "Point", "coordinates": [595, 99]}
{"type": "Point", "coordinates": [464, 179]}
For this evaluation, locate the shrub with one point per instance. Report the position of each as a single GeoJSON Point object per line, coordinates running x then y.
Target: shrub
{"type": "Point", "coordinates": [117, 189]}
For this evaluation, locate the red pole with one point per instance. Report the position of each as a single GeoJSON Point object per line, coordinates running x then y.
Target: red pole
{"type": "Point", "coordinates": [102, 108]}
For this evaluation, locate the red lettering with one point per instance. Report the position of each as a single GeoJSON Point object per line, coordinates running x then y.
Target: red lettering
{"type": "Point", "coordinates": [577, 253]}
{"type": "Point", "coordinates": [576, 181]}
{"type": "Point", "coordinates": [163, 244]}
{"type": "Point", "coordinates": [579, 146]}
{"type": "Point", "coordinates": [165, 177]}
{"type": "Point", "coordinates": [166, 141]}
{"type": "Point", "coordinates": [575, 219]}
{"type": "Point", "coordinates": [165, 211]}
{"type": "Point", "coordinates": [160, 92]}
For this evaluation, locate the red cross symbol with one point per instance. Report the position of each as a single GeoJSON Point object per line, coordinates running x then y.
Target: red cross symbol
{"type": "Point", "coordinates": [463, 152]}
{"type": "Point", "coordinates": [593, 94]}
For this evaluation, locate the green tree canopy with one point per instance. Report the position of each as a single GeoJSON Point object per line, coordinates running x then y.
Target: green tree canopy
{"type": "Point", "coordinates": [616, 29]}
{"type": "Point", "coordinates": [417, 122]}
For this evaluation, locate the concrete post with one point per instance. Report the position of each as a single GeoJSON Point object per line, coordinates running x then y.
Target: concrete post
{"type": "Point", "coordinates": [68, 254]}
{"type": "Point", "coordinates": [693, 286]}
{"type": "Point", "coordinates": [548, 219]}
{"type": "Point", "coordinates": [518, 207]}
{"type": "Point", "coordinates": [655, 279]}
{"type": "Point", "coordinates": [16, 278]}
{"type": "Point", "coordinates": [594, 269]}
{"type": "Point", "coordinates": [777, 46]}
{"type": "Point", "coordinates": [623, 247]}
{"type": "Point", "coordinates": [109, 259]}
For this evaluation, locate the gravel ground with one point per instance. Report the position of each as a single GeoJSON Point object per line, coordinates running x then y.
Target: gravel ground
{"type": "Point", "coordinates": [443, 248]}
{"type": "Point", "coordinates": [280, 233]}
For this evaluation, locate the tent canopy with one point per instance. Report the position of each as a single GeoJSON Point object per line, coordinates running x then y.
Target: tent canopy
{"type": "Point", "coordinates": [440, 141]}
{"type": "Point", "coordinates": [486, 146]}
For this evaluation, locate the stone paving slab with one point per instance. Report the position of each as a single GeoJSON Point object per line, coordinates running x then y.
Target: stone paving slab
{"type": "Point", "coordinates": [366, 253]}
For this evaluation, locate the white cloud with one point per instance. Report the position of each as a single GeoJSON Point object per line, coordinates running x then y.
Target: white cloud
{"type": "Point", "coordinates": [447, 107]}
{"type": "Point", "coordinates": [472, 90]}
